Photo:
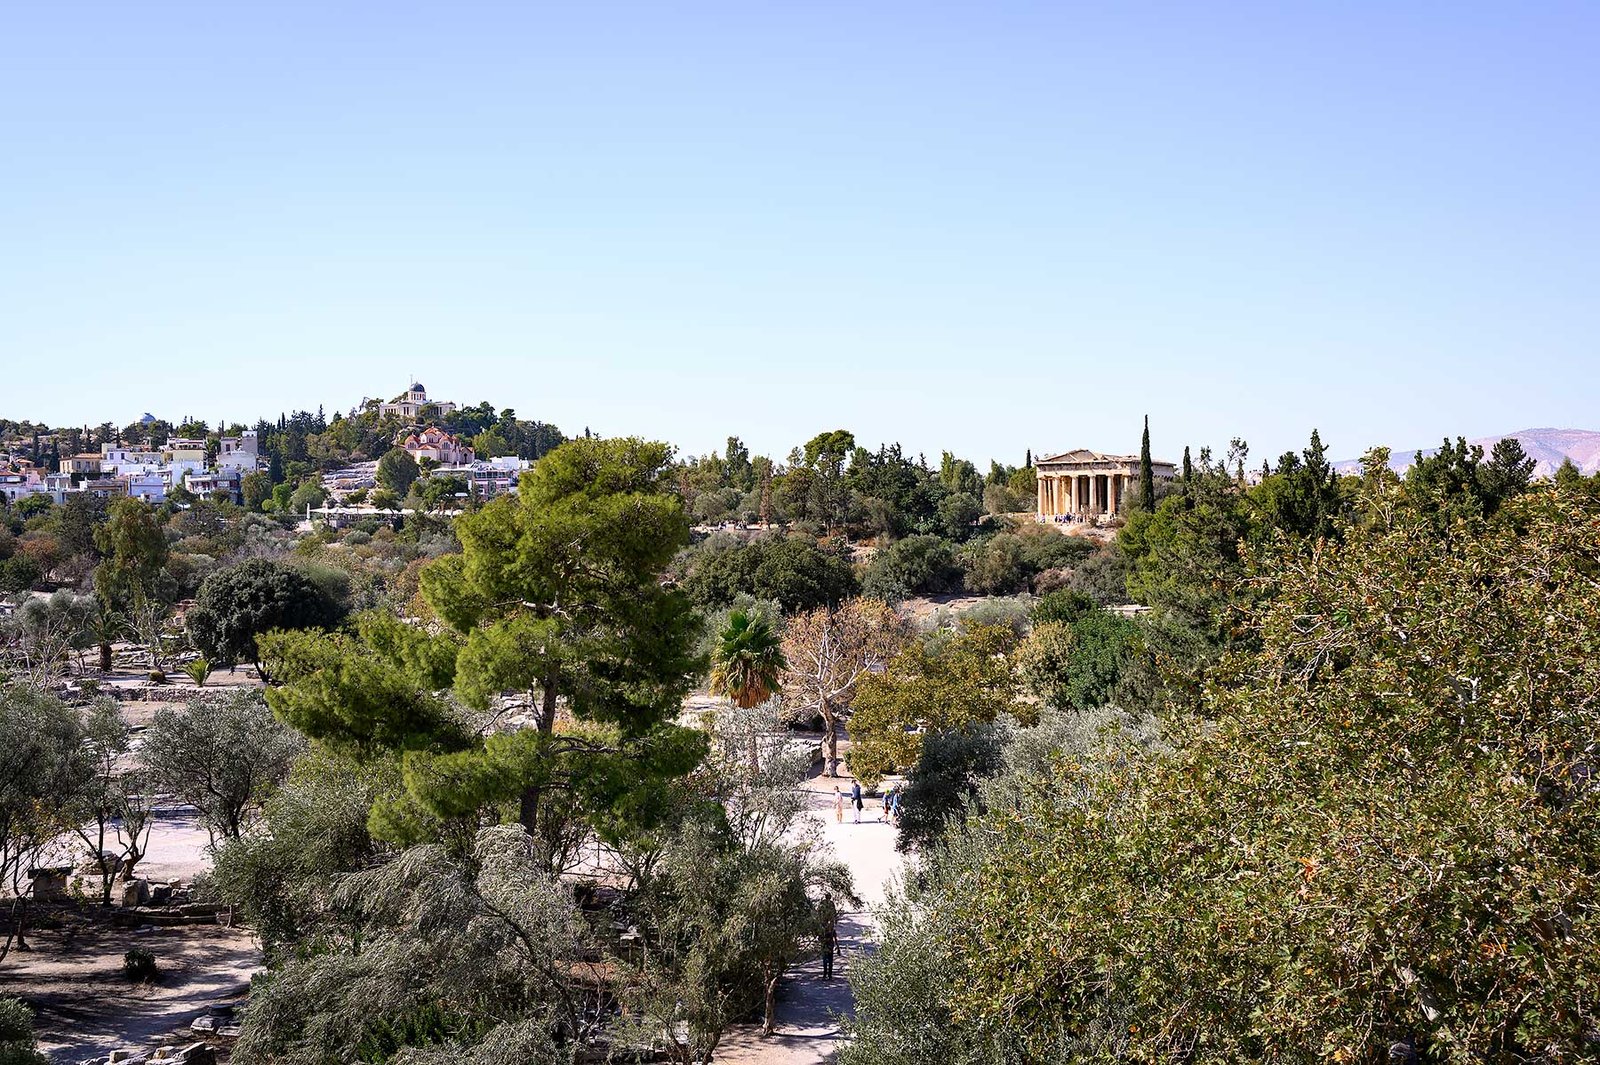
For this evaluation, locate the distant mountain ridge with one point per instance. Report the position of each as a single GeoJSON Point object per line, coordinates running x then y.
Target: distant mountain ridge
{"type": "Point", "coordinates": [1547, 447]}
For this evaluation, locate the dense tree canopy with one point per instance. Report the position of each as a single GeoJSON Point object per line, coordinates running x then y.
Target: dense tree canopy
{"type": "Point", "coordinates": [134, 547]}
{"type": "Point", "coordinates": [914, 565]}
{"type": "Point", "coordinates": [397, 470]}
{"type": "Point", "coordinates": [1382, 834]}
{"type": "Point", "coordinates": [558, 593]}
{"type": "Point", "coordinates": [950, 685]}
{"type": "Point", "coordinates": [791, 570]}
{"type": "Point", "coordinates": [242, 602]}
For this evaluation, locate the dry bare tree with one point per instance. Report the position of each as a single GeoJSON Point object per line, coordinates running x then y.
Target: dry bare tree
{"type": "Point", "coordinates": [828, 651]}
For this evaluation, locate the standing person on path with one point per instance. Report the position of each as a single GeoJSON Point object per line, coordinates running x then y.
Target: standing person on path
{"type": "Point", "coordinates": [838, 804]}
{"type": "Point", "coordinates": [855, 797]}
{"type": "Point", "coordinates": [828, 936]}
{"type": "Point", "coordinates": [888, 793]}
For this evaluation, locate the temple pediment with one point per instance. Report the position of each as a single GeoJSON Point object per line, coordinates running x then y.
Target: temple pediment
{"type": "Point", "coordinates": [1084, 455]}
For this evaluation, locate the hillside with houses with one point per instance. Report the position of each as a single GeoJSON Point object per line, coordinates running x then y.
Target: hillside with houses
{"type": "Point", "coordinates": [302, 461]}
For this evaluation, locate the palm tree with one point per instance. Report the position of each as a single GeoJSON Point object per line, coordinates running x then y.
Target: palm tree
{"type": "Point", "coordinates": [748, 660]}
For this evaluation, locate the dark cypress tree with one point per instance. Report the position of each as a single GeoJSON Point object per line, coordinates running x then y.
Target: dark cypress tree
{"type": "Point", "coordinates": [1147, 473]}
{"type": "Point", "coordinates": [1027, 463]}
{"type": "Point", "coordinates": [1188, 466]}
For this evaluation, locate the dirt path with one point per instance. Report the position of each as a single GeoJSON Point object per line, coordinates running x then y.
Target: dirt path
{"type": "Point", "coordinates": [808, 1011]}
{"type": "Point", "coordinates": [86, 1007]}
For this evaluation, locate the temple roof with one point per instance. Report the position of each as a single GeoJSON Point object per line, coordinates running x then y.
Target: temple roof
{"type": "Point", "coordinates": [1083, 454]}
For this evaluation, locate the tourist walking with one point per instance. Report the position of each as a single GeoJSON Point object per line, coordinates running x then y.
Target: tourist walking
{"type": "Point", "coordinates": [855, 797]}
{"type": "Point", "coordinates": [838, 804]}
{"type": "Point", "coordinates": [888, 793]}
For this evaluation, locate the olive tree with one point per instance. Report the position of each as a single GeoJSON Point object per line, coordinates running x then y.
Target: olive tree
{"type": "Point", "coordinates": [110, 803]}
{"type": "Point", "coordinates": [41, 768]}
{"type": "Point", "coordinates": [223, 754]}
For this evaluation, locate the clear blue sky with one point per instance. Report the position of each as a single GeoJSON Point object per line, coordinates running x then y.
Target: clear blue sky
{"type": "Point", "coordinates": [986, 227]}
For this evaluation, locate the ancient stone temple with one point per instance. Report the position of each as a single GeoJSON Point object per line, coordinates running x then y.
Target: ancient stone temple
{"type": "Point", "coordinates": [1084, 485]}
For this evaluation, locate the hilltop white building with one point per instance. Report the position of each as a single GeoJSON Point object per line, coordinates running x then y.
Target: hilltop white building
{"type": "Point", "coordinates": [408, 406]}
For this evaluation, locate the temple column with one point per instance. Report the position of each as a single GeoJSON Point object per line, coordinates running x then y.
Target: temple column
{"type": "Point", "coordinates": [1114, 490]}
{"type": "Point", "coordinates": [1039, 492]}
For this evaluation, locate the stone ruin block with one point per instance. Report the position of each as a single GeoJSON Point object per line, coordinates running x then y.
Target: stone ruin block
{"type": "Point", "coordinates": [135, 893]}
{"type": "Point", "coordinates": [50, 882]}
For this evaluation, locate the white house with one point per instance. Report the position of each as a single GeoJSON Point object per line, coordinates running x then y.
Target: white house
{"type": "Point", "coordinates": [215, 484]}
{"type": "Point", "coordinates": [18, 485]}
{"type": "Point", "coordinates": [116, 458]}
{"type": "Point", "coordinates": [487, 479]}
{"type": "Point", "coordinates": [151, 486]}
{"type": "Point", "coordinates": [242, 452]}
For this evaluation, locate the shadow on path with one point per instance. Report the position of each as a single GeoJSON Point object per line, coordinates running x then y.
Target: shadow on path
{"type": "Point", "coordinates": [809, 1007]}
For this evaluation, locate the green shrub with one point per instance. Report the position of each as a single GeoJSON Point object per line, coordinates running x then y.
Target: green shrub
{"type": "Point", "coordinates": [916, 565]}
{"type": "Point", "coordinates": [1065, 606]}
{"type": "Point", "coordinates": [139, 964]}
{"type": "Point", "coordinates": [16, 1035]}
